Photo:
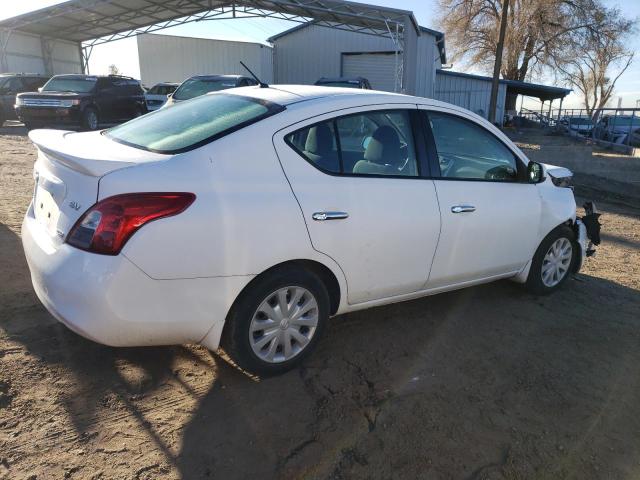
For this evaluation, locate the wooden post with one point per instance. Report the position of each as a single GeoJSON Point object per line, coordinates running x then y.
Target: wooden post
{"type": "Point", "coordinates": [498, 63]}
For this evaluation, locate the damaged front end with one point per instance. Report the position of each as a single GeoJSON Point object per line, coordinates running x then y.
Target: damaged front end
{"type": "Point", "coordinates": [587, 231]}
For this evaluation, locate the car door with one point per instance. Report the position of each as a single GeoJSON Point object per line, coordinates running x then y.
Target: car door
{"type": "Point", "coordinates": [9, 90]}
{"type": "Point", "coordinates": [490, 213]}
{"type": "Point", "coordinates": [105, 99]}
{"type": "Point", "coordinates": [358, 180]}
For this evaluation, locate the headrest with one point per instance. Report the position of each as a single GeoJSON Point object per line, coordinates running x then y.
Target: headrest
{"type": "Point", "coordinates": [319, 140]}
{"type": "Point", "coordinates": [384, 147]}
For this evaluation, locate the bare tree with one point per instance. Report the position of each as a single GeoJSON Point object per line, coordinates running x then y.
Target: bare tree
{"type": "Point", "coordinates": [538, 32]}
{"type": "Point", "coordinates": [113, 69]}
{"type": "Point", "coordinates": [597, 59]}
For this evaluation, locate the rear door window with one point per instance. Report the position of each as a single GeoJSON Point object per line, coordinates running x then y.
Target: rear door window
{"type": "Point", "coordinates": [378, 142]}
{"type": "Point", "coordinates": [189, 125]}
{"type": "Point", "coordinates": [318, 144]}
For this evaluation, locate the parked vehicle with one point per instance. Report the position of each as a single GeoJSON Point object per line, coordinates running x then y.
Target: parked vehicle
{"type": "Point", "coordinates": [11, 84]}
{"type": "Point", "coordinates": [347, 82]}
{"type": "Point", "coordinates": [578, 124]}
{"type": "Point", "coordinates": [157, 95]}
{"type": "Point", "coordinates": [616, 128]}
{"type": "Point", "coordinates": [249, 217]}
{"type": "Point", "coordinates": [84, 101]}
{"type": "Point", "coordinates": [200, 84]}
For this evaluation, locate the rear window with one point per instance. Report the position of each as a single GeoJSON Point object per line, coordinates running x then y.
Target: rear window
{"type": "Point", "coordinates": [162, 89]}
{"type": "Point", "coordinates": [194, 87]}
{"type": "Point", "coordinates": [191, 124]}
{"type": "Point", "coordinates": [70, 84]}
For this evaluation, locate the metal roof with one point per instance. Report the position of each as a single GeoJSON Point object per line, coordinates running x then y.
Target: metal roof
{"type": "Point", "coordinates": [543, 92]}
{"type": "Point", "coordinates": [99, 21]}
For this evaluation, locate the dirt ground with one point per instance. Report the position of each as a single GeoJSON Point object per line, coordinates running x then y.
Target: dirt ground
{"type": "Point", "coordinates": [484, 383]}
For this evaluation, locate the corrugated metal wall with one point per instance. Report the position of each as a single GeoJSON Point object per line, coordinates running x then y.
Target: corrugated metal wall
{"type": "Point", "coordinates": [305, 55]}
{"type": "Point", "coordinates": [427, 62]}
{"type": "Point", "coordinates": [471, 93]}
{"type": "Point", "coordinates": [25, 54]}
{"type": "Point", "coordinates": [167, 58]}
{"type": "Point", "coordinates": [378, 68]}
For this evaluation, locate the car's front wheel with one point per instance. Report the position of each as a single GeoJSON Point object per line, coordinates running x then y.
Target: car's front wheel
{"type": "Point", "coordinates": [553, 261]}
{"type": "Point", "coordinates": [277, 321]}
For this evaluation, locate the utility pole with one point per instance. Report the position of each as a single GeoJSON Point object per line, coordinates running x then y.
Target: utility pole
{"type": "Point", "coordinates": [498, 64]}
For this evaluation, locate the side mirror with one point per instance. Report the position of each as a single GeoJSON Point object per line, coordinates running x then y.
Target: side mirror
{"type": "Point", "coordinates": [169, 95]}
{"type": "Point", "coordinates": [39, 89]}
{"type": "Point", "coordinates": [535, 172]}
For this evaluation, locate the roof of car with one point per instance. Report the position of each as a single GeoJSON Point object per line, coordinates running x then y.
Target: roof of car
{"type": "Point", "coordinates": [212, 77]}
{"type": "Point", "coordinates": [290, 94]}
{"type": "Point", "coordinates": [86, 75]}
{"type": "Point", "coordinates": [341, 79]}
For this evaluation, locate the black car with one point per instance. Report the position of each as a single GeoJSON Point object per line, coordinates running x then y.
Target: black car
{"type": "Point", "coordinates": [11, 84]}
{"type": "Point", "coordinates": [84, 101]}
{"type": "Point", "coordinates": [345, 82]}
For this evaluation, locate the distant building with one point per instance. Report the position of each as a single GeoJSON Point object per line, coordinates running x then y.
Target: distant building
{"type": "Point", "coordinates": [308, 52]}
{"type": "Point", "coordinates": [168, 58]}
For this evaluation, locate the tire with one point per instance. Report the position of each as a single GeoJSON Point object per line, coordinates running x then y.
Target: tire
{"type": "Point", "coordinates": [553, 261]}
{"type": "Point", "coordinates": [250, 346]}
{"type": "Point", "coordinates": [89, 119]}
{"type": "Point", "coordinates": [137, 112]}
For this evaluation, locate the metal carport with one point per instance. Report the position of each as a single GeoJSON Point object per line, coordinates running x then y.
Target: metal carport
{"type": "Point", "coordinates": [94, 22]}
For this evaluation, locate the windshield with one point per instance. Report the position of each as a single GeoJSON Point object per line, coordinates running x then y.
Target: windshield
{"type": "Point", "coordinates": [194, 87]}
{"type": "Point", "coordinates": [161, 89]}
{"type": "Point", "coordinates": [70, 84]}
{"type": "Point", "coordinates": [351, 84]}
{"type": "Point", "coordinates": [192, 124]}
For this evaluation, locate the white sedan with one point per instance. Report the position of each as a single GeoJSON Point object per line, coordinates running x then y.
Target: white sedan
{"type": "Point", "coordinates": [248, 217]}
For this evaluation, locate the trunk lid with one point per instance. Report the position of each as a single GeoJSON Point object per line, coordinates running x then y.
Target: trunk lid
{"type": "Point", "coordinates": [67, 174]}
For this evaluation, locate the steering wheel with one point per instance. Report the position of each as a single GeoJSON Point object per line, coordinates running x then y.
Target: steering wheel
{"type": "Point", "coordinates": [501, 172]}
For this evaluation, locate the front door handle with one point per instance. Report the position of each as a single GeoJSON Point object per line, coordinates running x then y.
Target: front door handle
{"type": "Point", "coordinates": [322, 216]}
{"type": "Point", "coordinates": [462, 208]}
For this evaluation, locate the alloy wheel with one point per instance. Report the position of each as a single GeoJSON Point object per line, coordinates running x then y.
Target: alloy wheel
{"type": "Point", "coordinates": [92, 120]}
{"type": "Point", "coordinates": [284, 324]}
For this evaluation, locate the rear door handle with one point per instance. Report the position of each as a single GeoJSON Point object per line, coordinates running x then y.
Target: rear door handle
{"type": "Point", "coordinates": [462, 208]}
{"type": "Point", "coordinates": [322, 216]}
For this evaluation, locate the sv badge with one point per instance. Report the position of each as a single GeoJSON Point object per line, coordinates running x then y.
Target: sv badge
{"type": "Point", "coordinates": [75, 205]}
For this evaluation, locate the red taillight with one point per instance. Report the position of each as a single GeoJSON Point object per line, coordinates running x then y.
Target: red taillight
{"type": "Point", "coordinates": [107, 226]}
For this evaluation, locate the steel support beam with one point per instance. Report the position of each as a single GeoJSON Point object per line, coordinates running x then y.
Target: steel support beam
{"type": "Point", "coordinates": [5, 36]}
{"type": "Point", "coordinates": [46, 46]}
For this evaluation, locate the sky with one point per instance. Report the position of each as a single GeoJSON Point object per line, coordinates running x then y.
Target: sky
{"type": "Point", "coordinates": [124, 53]}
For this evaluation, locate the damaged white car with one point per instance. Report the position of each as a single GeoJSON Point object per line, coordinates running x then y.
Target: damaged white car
{"type": "Point", "coordinates": [248, 217]}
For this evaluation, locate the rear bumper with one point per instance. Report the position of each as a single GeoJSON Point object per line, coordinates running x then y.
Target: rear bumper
{"type": "Point", "coordinates": [111, 301]}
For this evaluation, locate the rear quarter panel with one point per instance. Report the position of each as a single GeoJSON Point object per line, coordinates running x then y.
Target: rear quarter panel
{"type": "Point", "coordinates": [243, 221]}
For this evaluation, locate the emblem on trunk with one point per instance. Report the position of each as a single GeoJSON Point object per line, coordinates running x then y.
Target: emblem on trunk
{"type": "Point", "coordinates": [75, 205]}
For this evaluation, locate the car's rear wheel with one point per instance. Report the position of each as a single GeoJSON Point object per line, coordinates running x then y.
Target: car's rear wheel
{"type": "Point", "coordinates": [89, 119]}
{"type": "Point", "coordinates": [277, 321]}
{"type": "Point", "coordinates": [553, 261]}
{"type": "Point", "coordinates": [138, 112]}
